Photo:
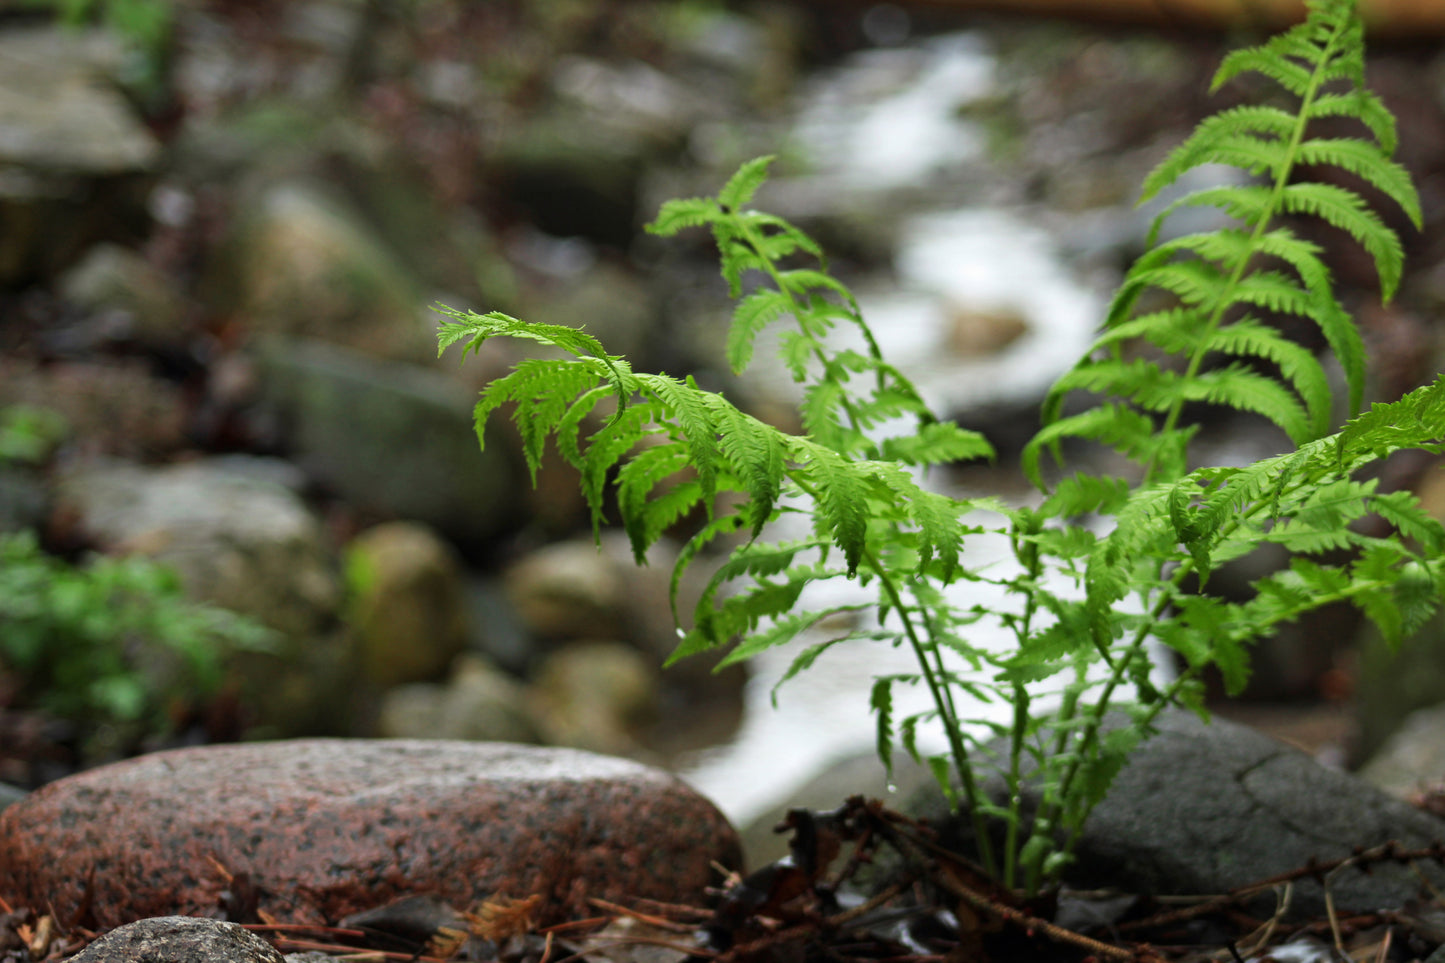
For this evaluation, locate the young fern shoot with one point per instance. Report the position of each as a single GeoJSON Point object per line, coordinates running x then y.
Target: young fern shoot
{"type": "Point", "coordinates": [1081, 606]}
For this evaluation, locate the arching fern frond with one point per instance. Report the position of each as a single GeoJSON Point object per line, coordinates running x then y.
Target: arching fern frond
{"type": "Point", "coordinates": [1215, 280]}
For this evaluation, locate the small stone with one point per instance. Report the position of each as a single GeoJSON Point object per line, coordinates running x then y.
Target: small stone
{"type": "Point", "coordinates": [179, 939]}
{"type": "Point", "coordinates": [569, 590]}
{"type": "Point", "coordinates": [479, 702]}
{"type": "Point", "coordinates": [596, 696]}
{"type": "Point", "coordinates": [408, 605]}
{"type": "Point", "coordinates": [111, 277]}
{"type": "Point", "coordinates": [236, 541]}
{"type": "Point", "coordinates": [329, 827]}
{"type": "Point", "coordinates": [1413, 759]}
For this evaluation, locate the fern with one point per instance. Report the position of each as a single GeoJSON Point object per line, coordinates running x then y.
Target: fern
{"type": "Point", "coordinates": [1104, 566]}
{"type": "Point", "coordinates": [1217, 280]}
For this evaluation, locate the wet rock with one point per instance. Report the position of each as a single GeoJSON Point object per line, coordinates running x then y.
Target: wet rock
{"type": "Point", "coordinates": [407, 607]}
{"type": "Point", "coordinates": [325, 828]}
{"type": "Point", "coordinates": [1207, 808]}
{"type": "Point", "coordinates": [70, 147]}
{"type": "Point", "coordinates": [597, 696]}
{"type": "Point", "coordinates": [390, 437]}
{"type": "Point", "coordinates": [572, 591]}
{"type": "Point", "coordinates": [568, 590]}
{"type": "Point", "coordinates": [111, 278]}
{"type": "Point", "coordinates": [1413, 758]}
{"type": "Point", "coordinates": [236, 541]}
{"type": "Point", "coordinates": [479, 702]}
{"type": "Point", "coordinates": [115, 408]}
{"type": "Point", "coordinates": [303, 263]}
{"type": "Point", "coordinates": [180, 939]}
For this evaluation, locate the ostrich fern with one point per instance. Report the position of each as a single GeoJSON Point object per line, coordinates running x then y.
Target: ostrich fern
{"type": "Point", "coordinates": [670, 448]}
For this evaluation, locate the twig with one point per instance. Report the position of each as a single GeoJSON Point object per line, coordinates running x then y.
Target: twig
{"type": "Point", "coordinates": [1033, 924]}
{"type": "Point", "coordinates": [890, 892]}
{"type": "Point", "coordinates": [287, 942]}
{"type": "Point", "coordinates": [1267, 930]}
{"type": "Point", "coordinates": [657, 921]}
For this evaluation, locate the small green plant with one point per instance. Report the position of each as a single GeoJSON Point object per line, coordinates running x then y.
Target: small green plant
{"type": "Point", "coordinates": [110, 646]}
{"type": "Point", "coordinates": [1137, 551]}
{"type": "Point", "coordinates": [29, 434]}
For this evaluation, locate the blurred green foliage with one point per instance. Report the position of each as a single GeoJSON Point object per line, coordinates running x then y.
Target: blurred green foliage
{"type": "Point", "coordinates": [113, 646]}
{"type": "Point", "coordinates": [145, 26]}
{"type": "Point", "coordinates": [114, 643]}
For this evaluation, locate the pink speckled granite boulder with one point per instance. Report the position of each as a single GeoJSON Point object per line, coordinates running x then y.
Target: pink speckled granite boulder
{"type": "Point", "coordinates": [327, 827]}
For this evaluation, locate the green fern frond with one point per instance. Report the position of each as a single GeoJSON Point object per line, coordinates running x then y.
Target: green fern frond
{"type": "Point", "coordinates": [1211, 276]}
{"type": "Point", "coordinates": [741, 187]}
{"type": "Point", "coordinates": [753, 314]}
{"type": "Point", "coordinates": [1370, 163]}
{"type": "Point", "coordinates": [1347, 211]}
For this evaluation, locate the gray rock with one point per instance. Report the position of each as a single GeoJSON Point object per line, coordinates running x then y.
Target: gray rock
{"type": "Point", "coordinates": [597, 696]}
{"type": "Point", "coordinates": [70, 147]}
{"type": "Point", "coordinates": [180, 939]}
{"type": "Point", "coordinates": [58, 113]}
{"type": "Point", "coordinates": [1208, 808]}
{"type": "Point", "coordinates": [115, 278]}
{"type": "Point", "coordinates": [304, 263]}
{"type": "Point", "coordinates": [408, 609]}
{"type": "Point", "coordinates": [1413, 758]}
{"type": "Point", "coordinates": [478, 703]}
{"type": "Point", "coordinates": [390, 437]}
{"type": "Point", "coordinates": [10, 794]}
{"type": "Point", "coordinates": [237, 542]}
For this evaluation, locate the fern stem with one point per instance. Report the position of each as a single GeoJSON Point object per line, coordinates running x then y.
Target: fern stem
{"type": "Point", "coordinates": [1027, 552]}
{"type": "Point", "coordinates": [771, 269]}
{"type": "Point", "coordinates": [1226, 297]}
{"type": "Point", "coordinates": [943, 699]}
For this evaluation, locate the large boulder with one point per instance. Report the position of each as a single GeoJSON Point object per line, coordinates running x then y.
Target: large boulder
{"type": "Point", "coordinates": [75, 155]}
{"type": "Point", "coordinates": [390, 437]}
{"type": "Point", "coordinates": [1206, 808]}
{"type": "Point", "coordinates": [324, 828]}
{"type": "Point", "coordinates": [237, 539]}
{"type": "Point", "coordinates": [303, 262]}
